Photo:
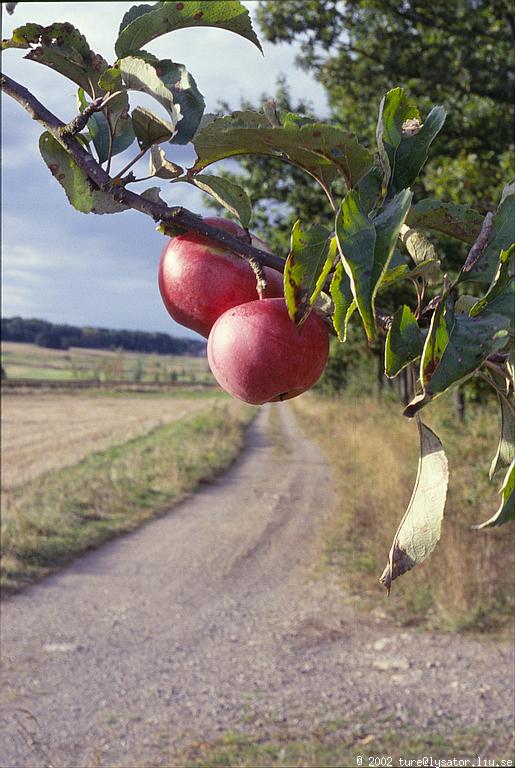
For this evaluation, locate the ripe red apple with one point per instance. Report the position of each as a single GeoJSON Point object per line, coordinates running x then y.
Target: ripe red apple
{"type": "Point", "coordinates": [199, 280]}
{"type": "Point", "coordinates": [257, 354]}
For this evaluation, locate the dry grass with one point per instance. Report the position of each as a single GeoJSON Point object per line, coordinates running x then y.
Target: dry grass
{"type": "Point", "coordinates": [61, 513]}
{"type": "Point", "coordinates": [43, 432]}
{"type": "Point", "coordinates": [374, 452]}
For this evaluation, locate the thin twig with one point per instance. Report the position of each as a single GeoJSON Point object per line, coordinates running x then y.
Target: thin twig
{"type": "Point", "coordinates": [134, 160]}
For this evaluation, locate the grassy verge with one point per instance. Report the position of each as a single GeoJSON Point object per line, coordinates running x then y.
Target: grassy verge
{"type": "Point", "coordinates": [54, 517]}
{"type": "Point", "coordinates": [374, 452]}
{"type": "Point", "coordinates": [332, 747]}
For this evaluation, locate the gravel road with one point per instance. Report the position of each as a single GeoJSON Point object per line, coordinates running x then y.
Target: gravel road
{"type": "Point", "coordinates": [212, 618]}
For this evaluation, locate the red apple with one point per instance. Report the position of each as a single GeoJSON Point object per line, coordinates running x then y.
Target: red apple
{"type": "Point", "coordinates": [199, 280]}
{"type": "Point", "coordinates": [257, 354]}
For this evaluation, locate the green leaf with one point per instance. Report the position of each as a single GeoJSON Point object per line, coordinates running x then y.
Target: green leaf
{"type": "Point", "coordinates": [117, 110]}
{"type": "Point", "coordinates": [79, 189]}
{"type": "Point", "coordinates": [64, 49]}
{"type": "Point", "coordinates": [134, 13]}
{"type": "Point", "coordinates": [356, 237]}
{"type": "Point", "coordinates": [97, 127]}
{"type": "Point", "coordinates": [141, 75]}
{"type": "Point", "coordinates": [501, 238]}
{"type": "Point", "coordinates": [149, 128]}
{"type": "Point", "coordinates": [394, 110]}
{"type": "Point", "coordinates": [388, 224]}
{"type": "Point", "coordinates": [366, 247]}
{"type": "Point", "coordinates": [404, 342]}
{"type": "Point", "coordinates": [312, 254]}
{"type": "Point", "coordinates": [458, 221]}
{"type": "Point", "coordinates": [413, 150]}
{"type": "Point", "coordinates": [161, 167]}
{"type": "Point", "coordinates": [370, 189]}
{"type": "Point", "coordinates": [506, 511]}
{"type": "Point", "coordinates": [23, 37]}
{"type": "Point", "coordinates": [500, 297]}
{"type": "Point", "coordinates": [456, 346]}
{"type": "Point", "coordinates": [186, 95]}
{"type": "Point", "coordinates": [420, 528]}
{"type": "Point", "coordinates": [402, 152]}
{"type": "Point", "coordinates": [397, 270]}
{"type": "Point", "coordinates": [144, 23]}
{"type": "Point", "coordinates": [322, 150]}
{"type": "Point", "coordinates": [505, 453]}
{"type": "Point", "coordinates": [343, 300]}
{"type": "Point", "coordinates": [428, 270]}
{"type": "Point", "coordinates": [153, 194]}
{"type": "Point", "coordinates": [227, 193]}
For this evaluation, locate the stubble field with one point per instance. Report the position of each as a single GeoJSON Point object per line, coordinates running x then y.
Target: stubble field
{"type": "Point", "coordinates": [45, 431]}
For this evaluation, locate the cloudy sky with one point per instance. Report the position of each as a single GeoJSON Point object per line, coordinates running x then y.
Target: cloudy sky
{"type": "Point", "coordinates": [65, 266]}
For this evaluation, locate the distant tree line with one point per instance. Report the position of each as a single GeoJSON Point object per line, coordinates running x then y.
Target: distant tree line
{"type": "Point", "coordinates": [46, 334]}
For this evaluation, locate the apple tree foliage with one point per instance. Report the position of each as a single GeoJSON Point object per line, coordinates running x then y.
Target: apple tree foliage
{"type": "Point", "coordinates": [378, 234]}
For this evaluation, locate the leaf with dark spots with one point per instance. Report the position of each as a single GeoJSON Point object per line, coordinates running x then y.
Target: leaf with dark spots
{"type": "Point", "coordinates": [142, 24]}
{"type": "Point", "coordinates": [79, 190]}
{"type": "Point", "coordinates": [420, 528]}
{"type": "Point", "coordinates": [63, 48]}
{"type": "Point", "coordinates": [458, 221]}
{"type": "Point", "coordinates": [312, 254]}
{"type": "Point", "coordinates": [250, 133]}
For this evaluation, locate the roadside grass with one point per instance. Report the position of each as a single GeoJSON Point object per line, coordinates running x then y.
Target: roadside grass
{"type": "Point", "coordinates": [466, 583]}
{"type": "Point", "coordinates": [52, 518]}
{"type": "Point", "coordinates": [332, 747]}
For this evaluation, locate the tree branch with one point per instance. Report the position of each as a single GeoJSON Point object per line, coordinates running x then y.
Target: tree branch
{"type": "Point", "coordinates": [176, 215]}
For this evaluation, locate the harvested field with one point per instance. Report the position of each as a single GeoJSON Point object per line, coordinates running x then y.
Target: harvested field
{"type": "Point", "coordinates": [46, 431]}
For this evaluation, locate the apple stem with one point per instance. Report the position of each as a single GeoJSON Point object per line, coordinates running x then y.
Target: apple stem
{"type": "Point", "coordinates": [259, 272]}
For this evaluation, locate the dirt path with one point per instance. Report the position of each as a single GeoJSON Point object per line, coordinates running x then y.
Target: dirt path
{"type": "Point", "coordinates": [207, 620]}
